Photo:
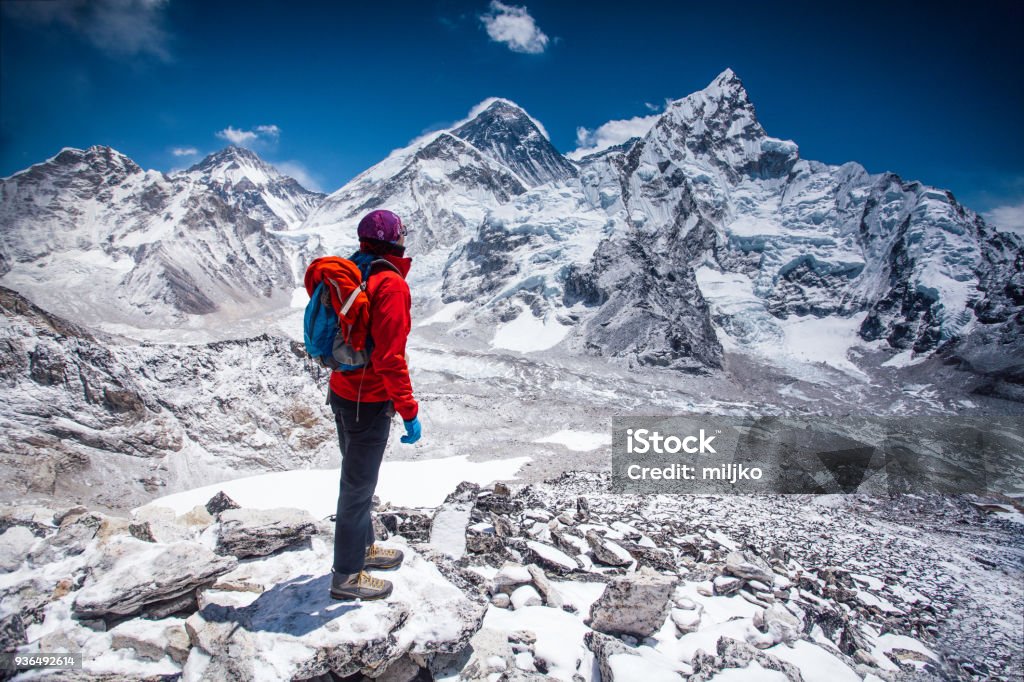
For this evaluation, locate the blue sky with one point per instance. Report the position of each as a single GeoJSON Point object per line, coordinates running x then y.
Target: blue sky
{"type": "Point", "coordinates": [933, 91]}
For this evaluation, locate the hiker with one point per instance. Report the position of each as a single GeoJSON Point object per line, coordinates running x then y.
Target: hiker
{"type": "Point", "coordinates": [364, 400]}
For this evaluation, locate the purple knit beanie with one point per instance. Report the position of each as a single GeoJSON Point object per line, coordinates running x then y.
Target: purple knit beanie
{"type": "Point", "coordinates": [381, 225]}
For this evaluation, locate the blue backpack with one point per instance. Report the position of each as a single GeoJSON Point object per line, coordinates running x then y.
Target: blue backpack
{"type": "Point", "coordinates": [336, 326]}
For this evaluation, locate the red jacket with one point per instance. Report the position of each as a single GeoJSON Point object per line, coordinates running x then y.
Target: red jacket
{"type": "Point", "coordinates": [387, 375]}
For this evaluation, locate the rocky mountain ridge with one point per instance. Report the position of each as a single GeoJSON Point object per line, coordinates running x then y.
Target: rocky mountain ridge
{"type": "Point", "coordinates": [706, 236]}
{"type": "Point", "coordinates": [90, 235]}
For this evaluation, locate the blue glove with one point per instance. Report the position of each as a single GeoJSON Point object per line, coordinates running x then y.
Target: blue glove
{"type": "Point", "coordinates": [413, 431]}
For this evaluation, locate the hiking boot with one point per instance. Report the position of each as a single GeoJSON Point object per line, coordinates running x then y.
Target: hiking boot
{"type": "Point", "coordinates": [360, 585]}
{"type": "Point", "coordinates": [382, 557]}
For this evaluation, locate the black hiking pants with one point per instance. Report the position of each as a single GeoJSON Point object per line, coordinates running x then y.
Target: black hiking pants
{"type": "Point", "coordinates": [362, 441]}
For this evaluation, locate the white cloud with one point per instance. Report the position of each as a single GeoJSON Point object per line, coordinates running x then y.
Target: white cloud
{"type": "Point", "coordinates": [610, 134]}
{"type": "Point", "coordinates": [514, 27]}
{"type": "Point", "coordinates": [302, 174]}
{"type": "Point", "coordinates": [119, 27]}
{"type": "Point", "coordinates": [268, 131]}
{"type": "Point", "coordinates": [184, 151]}
{"type": "Point", "coordinates": [1008, 218]}
{"type": "Point", "coordinates": [237, 136]}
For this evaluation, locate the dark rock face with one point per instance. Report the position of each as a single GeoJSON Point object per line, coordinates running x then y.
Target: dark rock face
{"type": "Point", "coordinates": [12, 633]}
{"type": "Point", "coordinates": [654, 310]}
{"type": "Point", "coordinates": [412, 524]}
{"type": "Point", "coordinates": [484, 265]}
{"type": "Point", "coordinates": [505, 133]}
{"type": "Point", "coordinates": [221, 502]}
{"type": "Point", "coordinates": [477, 175]}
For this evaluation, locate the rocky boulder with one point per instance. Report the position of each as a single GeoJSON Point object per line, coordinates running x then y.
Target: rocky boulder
{"type": "Point", "coordinates": [12, 633]}
{"type": "Point", "coordinates": [733, 653]}
{"type": "Point", "coordinates": [548, 557]}
{"type": "Point", "coordinates": [749, 566]}
{"type": "Point", "coordinates": [39, 520]}
{"type": "Point", "coordinates": [131, 576]}
{"type": "Point", "coordinates": [221, 502]}
{"type": "Point", "coordinates": [606, 551]}
{"type": "Point", "coordinates": [774, 625]}
{"type": "Point", "coordinates": [616, 661]}
{"type": "Point", "coordinates": [635, 604]}
{"type": "Point", "coordinates": [259, 532]}
{"type": "Point", "coordinates": [15, 543]}
{"type": "Point", "coordinates": [153, 639]}
{"type": "Point", "coordinates": [412, 524]}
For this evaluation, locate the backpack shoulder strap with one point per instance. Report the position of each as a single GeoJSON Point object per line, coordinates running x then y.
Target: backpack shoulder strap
{"type": "Point", "coordinates": [383, 261]}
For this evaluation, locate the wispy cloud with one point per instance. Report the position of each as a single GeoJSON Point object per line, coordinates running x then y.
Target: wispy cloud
{"type": "Point", "coordinates": [303, 175]}
{"type": "Point", "coordinates": [514, 27]}
{"type": "Point", "coordinates": [123, 28]}
{"type": "Point", "coordinates": [184, 151]}
{"type": "Point", "coordinates": [1008, 218]}
{"type": "Point", "coordinates": [590, 141]}
{"type": "Point", "coordinates": [237, 136]}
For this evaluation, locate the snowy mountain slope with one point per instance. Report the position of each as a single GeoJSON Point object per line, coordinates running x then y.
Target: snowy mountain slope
{"type": "Point", "coordinates": [707, 197]}
{"type": "Point", "coordinates": [812, 239]}
{"type": "Point", "coordinates": [90, 235]}
{"type": "Point", "coordinates": [440, 186]}
{"type": "Point", "coordinates": [97, 418]}
{"type": "Point", "coordinates": [254, 186]}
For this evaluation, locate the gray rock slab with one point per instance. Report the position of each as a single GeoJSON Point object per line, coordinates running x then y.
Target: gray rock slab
{"type": "Point", "coordinates": [259, 532]}
{"type": "Point", "coordinates": [132, 574]}
{"type": "Point", "coordinates": [635, 604]}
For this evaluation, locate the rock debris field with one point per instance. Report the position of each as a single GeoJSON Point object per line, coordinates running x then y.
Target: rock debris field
{"type": "Point", "coordinates": [554, 580]}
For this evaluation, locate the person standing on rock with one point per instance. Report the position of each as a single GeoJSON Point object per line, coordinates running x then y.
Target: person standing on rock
{"type": "Point", "coordinates": [364, 400]}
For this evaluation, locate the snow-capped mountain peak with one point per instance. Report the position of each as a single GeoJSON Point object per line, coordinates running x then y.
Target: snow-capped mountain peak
{"type": "Point", "coordinates": [256, 186]}
{"type": "Point", "coordinates": [232, 165]}
{"type": "Point", "coordinates": [704, 234]}
{"type": "Point", "coordinates": [70, 161]}
{"type": "Point", "coordinates": [506, 133]}
{"type": "Point", "coordinates": [719, 124]}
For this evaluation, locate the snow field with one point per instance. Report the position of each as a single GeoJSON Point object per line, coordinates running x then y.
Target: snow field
{"type": "Point", "coordinates": [411, 484]}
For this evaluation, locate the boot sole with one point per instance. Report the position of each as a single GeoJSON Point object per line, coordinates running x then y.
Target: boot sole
{"type": "Point", "coordinates": [381, 567]}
